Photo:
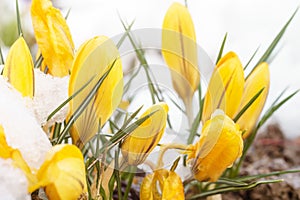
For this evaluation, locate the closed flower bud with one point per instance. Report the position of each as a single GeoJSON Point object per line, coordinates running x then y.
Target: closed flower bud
{"type": "Point", "coordinates": [225, 87]}
{"type": "Point", "coordinates": [18, 68]}
{"type": "Point", "coordinates": [93, 59]}
{"type": "Point", "coordinates": [179, 49]}
{"type": "Point", "coordinates": [257, 80]}
{"type": "Point", "coordinates": [138, 145]}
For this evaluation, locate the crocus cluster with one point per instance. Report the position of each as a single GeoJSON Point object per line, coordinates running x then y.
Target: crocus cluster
{"type": "Point", "coordinates": [96, 69]}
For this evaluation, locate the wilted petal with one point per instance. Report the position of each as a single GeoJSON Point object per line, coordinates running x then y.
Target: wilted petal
{"type": "Point", "coordinates": [53, 37]}
{"type": "Point", "coordinates": [225, 87]}
{"type": "Point", "coordinates": [257, 80]}
{"type": "Point", "coordinates": [138, 145]}
{"type": "Point", "coordinates": [179, 49]}
{"type": "Point", "coordinates": [93, 59]}
{"type": "Point", "coordinates": [63, 173]}
{"type": "Point", "coordinates": [18, 68]}
{"type": "Point", "coordinates": [170, 184]}
{"type": "Point", "coordinates": [219, 146]}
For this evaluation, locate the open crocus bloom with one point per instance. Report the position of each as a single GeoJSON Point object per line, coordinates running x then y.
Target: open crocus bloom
{"type": "Point", "coordinates": [220, 144]}
{"type": "Point", "coordinates": [229, 91]}
{"type": "Point", "coordinates": [138, 145]}
{"type": "Point", "coordinates": [169, 183]}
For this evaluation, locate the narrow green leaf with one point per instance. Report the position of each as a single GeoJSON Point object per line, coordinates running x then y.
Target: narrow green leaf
{"type": "Point", "coordinates": [39, 61]}
{"type": "Point", "coordinates": [1, 57]}
{"type": "Point", "coordinates": [123, 133]}
{"type": "Point", "coordinates": [245, 108]}
{"type": "Point", "coordinates": [255, 52]}
{"type": "Point", "coordinates": [253, 177]}
{"type": "Point", "coordinates": [197, 120]}
{"type": "Point", "coordinates": [275, 107]}
{"type": "Point", "coordinates": [68, 13]}
{"type": "Point", "coordinates": [20, 32]}
{"type": "Point", "coordinates": [232, 189]}
{"type": "Point", "coordinates": [175, 164]}
{"type": "Point", "coordinates": [274, 43]}
{"type": "Point", "coordinates": [231, 182]}
{"type": "Point", "coordinates": [69, 99]}
{"type": "Point", "coordinates": [221, 49]}
{"type": "Point", "coordinates": [129, 183]}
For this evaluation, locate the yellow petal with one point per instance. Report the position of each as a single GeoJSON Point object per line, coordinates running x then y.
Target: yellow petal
{"type": "Point", "coordinates": [169, 183]}
{"type": "Point", "coordinates": [63, 173]}
{"type": "Point", "coordinates": [7, 152]}
{"type": "Point", "coordinates": [138, 145]}
{"type": "Point", "coordinates": [92, 60]}
{"type": "Point", "coordinates": [219, 146]}
{"type": "Point", "coordinates": [179, 49]}
{"type": "Point", "coordinates": [258, 79]}
{"type": "Point", "coordinates": [53, 37]}
{"type": "Point", "coordinates": [18, 68]}
{"type": "Point", "coordinates": [225, 87]}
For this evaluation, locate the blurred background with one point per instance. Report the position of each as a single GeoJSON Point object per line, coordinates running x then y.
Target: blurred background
{"type": "Point", "coordinates": [250, 24]}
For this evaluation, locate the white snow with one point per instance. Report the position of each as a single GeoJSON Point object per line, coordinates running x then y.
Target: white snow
{"type": "Point", "coordinates": [50, 92]}
{"type": "Point", "coordinates": [13, 182]}
{"type": "Point", "coordinates": [20, 126]}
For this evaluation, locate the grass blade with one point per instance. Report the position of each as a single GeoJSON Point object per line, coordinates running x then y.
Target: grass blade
{"type": "Point", "coordinates": [221, 49]}
{"type": "Point", "coordinates": [245, 108]}
{"type": "Point", "coordinates": [274, 43]}
{"type": "Point", "coordinates": [233, 188]}
{"type": "Point", "coordinates": [20, 32]}
{"type": "Point", "coordinates": [1, 57]}
{"type": "Point", "coordinates": [69, 99]}
{"type": "Point", "coordinates": [255, 52]}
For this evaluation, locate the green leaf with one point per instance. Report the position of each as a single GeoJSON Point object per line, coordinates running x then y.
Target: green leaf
{"type": "Point", "coordinates": [20, 32]}
{"type": "Point", "coordinates": [197, 120]}
{"type": "Point", "coordinates": [175, 164]}
{"type": "Point", "coordinates": [69, 99]}
{"type": "Point", "coordinates": [253, 177]}
{"type": "Point", "coordinates": [221, 49]}
{"type": "Point", "coordinates": [251, 101]}
{"type": "Point", "coordinates": [1, 57]}
{"type": "Point", "coordinates": [255, 52]}
{"type": "Point", "coordinates": [274, 43]}
{"type": "Point", "coordinates": [232, 188]}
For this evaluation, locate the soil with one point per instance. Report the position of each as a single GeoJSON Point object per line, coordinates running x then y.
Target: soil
{"type": "Point", "coordinates": [270, 152]}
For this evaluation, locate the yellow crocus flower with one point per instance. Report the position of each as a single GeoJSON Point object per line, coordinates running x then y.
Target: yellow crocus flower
{"type": "Point", "coordinates": [93, 59]}
{"type": "Point", "coordinates": [18, 68]}
{"type": "Point", "coordinates": [138, 145]}
{"type": "Point", "coordinates": [63, 173]}
{"type": "Point", "coordinates": [225, 87]}
{"type": "Point", "coordinates": [169, 182]}
{"type": "Point", "coordinates": [257, 80]}
{"type": "Point", "coordinates": [220, 144]}
{"type": "Point", "coordinates": [53, 37]}
{"type": "Point", "coordinates": [228, 90]}
{"type": "Point", "coordinates": [7, 152]}
{"type": "Point", "coordinates": [179, 49]}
